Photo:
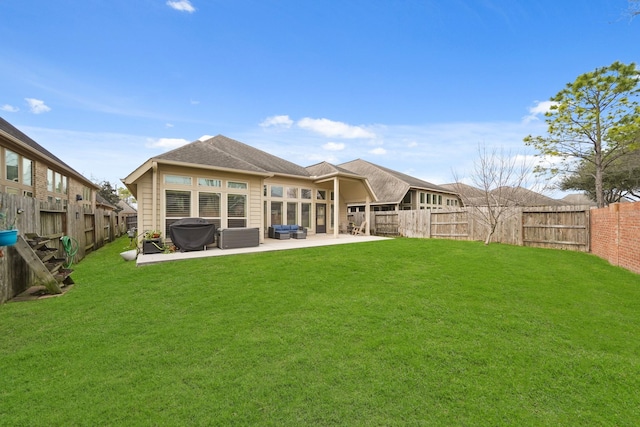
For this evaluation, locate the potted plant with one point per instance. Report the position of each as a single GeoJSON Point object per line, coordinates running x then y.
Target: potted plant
{"type": "Point", "coordinates": [152, 234]}
{"type": "Point", "coordinates": [8, 231]}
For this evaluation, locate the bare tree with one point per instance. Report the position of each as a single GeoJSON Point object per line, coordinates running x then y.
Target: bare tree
{"type": "Point", "coordinates": [499, 179]}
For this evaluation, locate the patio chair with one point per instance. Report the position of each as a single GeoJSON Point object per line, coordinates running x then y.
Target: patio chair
{"type": "Point", "coordinates": [360, 229]}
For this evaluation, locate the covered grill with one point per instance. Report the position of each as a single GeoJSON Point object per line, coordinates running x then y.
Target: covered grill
{"type": "Point", "coordinates": [192, 234]}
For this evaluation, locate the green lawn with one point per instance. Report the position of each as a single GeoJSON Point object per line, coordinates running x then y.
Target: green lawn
{"type": "Point", "coordinates": [393, 333]}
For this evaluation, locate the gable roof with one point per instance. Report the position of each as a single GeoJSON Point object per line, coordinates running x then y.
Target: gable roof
{"type": "Point", "coordinates": [227, 153]}
{"type": "Point", "coordinates": [31, 146]}
{"type": "Point", "coordinates": [390, 186]}
{"type": "Point", "coordinates": [326, 168]}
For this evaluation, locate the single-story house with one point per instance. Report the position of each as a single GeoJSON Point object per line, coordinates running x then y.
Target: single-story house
{"type": "Point", "coordinates": [30, 170]}
{"type": "Point", "coordinates": [232, 185]}
{"type": "Point", "coordinates": [399, 191]}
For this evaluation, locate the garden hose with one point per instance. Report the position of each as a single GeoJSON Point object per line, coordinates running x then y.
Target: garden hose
{"type": "Point", "coordinates": [70, 246]}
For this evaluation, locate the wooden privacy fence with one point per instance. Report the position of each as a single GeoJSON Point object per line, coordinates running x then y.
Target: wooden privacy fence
{"type": "Point", "coordinates": [564, 227]}
{"type": "Point", "coordinates": [89, 229]}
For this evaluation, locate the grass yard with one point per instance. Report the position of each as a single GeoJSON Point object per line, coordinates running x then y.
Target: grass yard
{"type": "Point", "coordinates": [393, 333]}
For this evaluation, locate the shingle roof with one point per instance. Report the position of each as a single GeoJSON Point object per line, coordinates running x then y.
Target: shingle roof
{"type": "Point", "coordinates": [326, 168]}
{"type": "Point", "coordinates": [228, 153]}
{"type": "Point", "coordinates": [390, 186]}
{"type": "Point", "coordinates": [507, 196]}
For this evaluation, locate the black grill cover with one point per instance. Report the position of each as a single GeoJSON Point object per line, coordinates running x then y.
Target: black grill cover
{"type": "Point", "coordinates": [192, 234]}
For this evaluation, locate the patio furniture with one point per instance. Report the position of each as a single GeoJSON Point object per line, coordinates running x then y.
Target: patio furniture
{"type": "Point", "coordinates": [360, 229]}
{"type": "Point", "coordinates": [192, 234]}
{"type": "Point", "coordinates": [285, 231]}
{"type": "Point", "coordinates": [232, 238]}
{"type": "Point", "coordinates": [299, 234]}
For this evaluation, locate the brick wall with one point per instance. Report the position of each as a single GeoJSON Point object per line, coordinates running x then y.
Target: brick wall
{"type": "Point", "coordinates": [615, 234]}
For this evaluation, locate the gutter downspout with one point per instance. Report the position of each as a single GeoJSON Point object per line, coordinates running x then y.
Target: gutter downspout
{"type": "Point", "coordinates": [154, 195]}
{"type": "Point", "coordinates": [336, 207]}
{"type": "Point", "coordinates": [367, 215]}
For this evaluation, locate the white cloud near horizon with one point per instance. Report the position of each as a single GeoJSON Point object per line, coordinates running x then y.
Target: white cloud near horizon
{"type": "Point", "coordinates": [334, 129]}
{"type": "Point", "coordinates": [334, 146]}
{"type": "Point", "coordinates": [181, 5]}
{"type": "Point", "coordinates": [9, 108]}
{"type": "Point", "coordinates": [37, 106]}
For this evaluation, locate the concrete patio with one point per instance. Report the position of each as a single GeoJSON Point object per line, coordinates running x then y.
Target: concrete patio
{"type": "Point", "coordinates": [268, 245]}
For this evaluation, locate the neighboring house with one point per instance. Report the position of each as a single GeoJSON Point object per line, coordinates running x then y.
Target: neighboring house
{"type": "Point", "coordinates": [232, 184]}
{"type": "Point", "coordinates": [127, 216]}
{"type": "Point", "coordinates": [398, 191]}
{"type": "Point", "coordinates": [28, 169]}
{"type": "Point", "coordinates": [503, 196]}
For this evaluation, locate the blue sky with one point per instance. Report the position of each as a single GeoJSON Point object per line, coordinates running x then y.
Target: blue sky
{"type": "Point", "coordinates": [412, 85]}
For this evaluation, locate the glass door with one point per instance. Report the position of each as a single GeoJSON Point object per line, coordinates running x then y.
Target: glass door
{"type": "Point", "coordinates": [321, 218]}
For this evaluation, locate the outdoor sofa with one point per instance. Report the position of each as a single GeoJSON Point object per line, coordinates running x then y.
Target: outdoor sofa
{"type": "Point", "coordinates": [287, 232]}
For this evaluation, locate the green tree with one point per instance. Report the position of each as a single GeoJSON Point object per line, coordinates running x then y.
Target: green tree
{"type": "Point", "coordinates": [595, 119]}
{"type": "Point", "coordinates": [125, 194]}
{"type": "Point", "coordinates": [622, 181]}
{"type": "Point", "coordinates": [109, 193]}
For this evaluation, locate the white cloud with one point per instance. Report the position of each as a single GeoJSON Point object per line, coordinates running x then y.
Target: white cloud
{"type": "Point", "coordinates": [378, 151]}
{"type": "Point", "coordinates": [181, 5]}
{"type": "Point", "coordinates": [334, 129]}
{"type": "Point", "coordinates": [277, 121]}
{"type": "Point", "coordinates": [9, 108]}
{"type": "Point", "coordinates": [166, 143]}
{"type": "Point", "coordinates": [412, 144]}
{"type": "Point", "coordinates": [539, 109]}
{"type": "Point", "coordinates": [168, 125]}
{"type": "Point", "coordinates": [37, 106]}
{"type": "Point", "coordinates": [205, 137]}
{"type": "Point", "coordinates": [333, 146]}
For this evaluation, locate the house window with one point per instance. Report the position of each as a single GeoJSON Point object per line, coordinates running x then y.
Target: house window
{"type": "Point", "coordinates": [209, 205]}
{"type": "Point", "coordinates": [237, 185]}
{"type": "Point", "coordinates": [27, 171]}
{"type": "Point", "coordinates": [276, 213]}
{"type": "Point", "coordinates": [421, 197]}
{"type": "Point", "coordinates": [305, 215]}
{"type": "Point", "coordinates": [63, 184]}
{"type": "Point", "coordinates": [86, 193]}
{"type": "Point", "coordinates": [305, 193]}
{"type": "Point", "coordinates": [407, 197]}
{"type": "Point", "coordinates": [321, 195]}
{"type": "Point", "coordinates": [292, 192]}
{"type": "Point", "coordinates": [292, 213]}
{"type": "Point", "coordinates": [176, 179]}
{"type": "Point", "coordinates": [207, 182]}
{"type": "Point", "coordinates": [178, 204]}
{"type": "Point", "coordinates": [277, 191]}
{"type": "Point", "coordinates": [236, 210]}
{"type": "Point", "coordinates": [56, 182]}
{"type": "Point", "coordinates": [11, 166]}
